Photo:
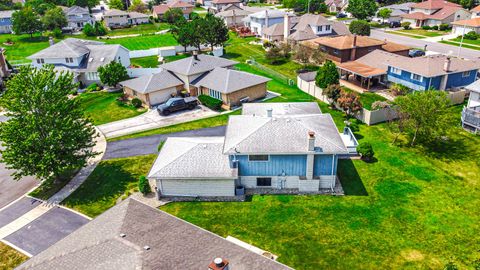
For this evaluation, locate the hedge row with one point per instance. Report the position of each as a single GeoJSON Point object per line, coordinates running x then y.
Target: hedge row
{"type": "Point", "coordinates": [211, 102]}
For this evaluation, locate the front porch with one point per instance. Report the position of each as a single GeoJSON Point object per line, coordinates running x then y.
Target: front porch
{"type": "Point", "coordinates": [471, 119]}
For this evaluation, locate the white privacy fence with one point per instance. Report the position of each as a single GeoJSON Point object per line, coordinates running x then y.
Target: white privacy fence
{"type": "Point", "coordinates": [137, 72]}
{"type": "Point", "coordinates": [171, 51]}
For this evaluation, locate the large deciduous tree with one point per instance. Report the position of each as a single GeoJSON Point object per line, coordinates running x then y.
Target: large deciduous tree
{"type": "Point", "coordinates": [362, 9]}
{"type": "Point", "coordinates": [116, 4]}
{"type": "Point", "coordinates": [215, 32]}
{"type": "Point", "coordinates": [46, 134]}
{"type": "Point", "coordinates": [26, 21]}
{"type": "Point", "coordinates": [112, 73]}
{"type": "Point", "coordinates": [54, 19]}
{"type": "Point", "coordinates": [327, 75]}
{"type": "Point", "coordinates": [384, 13]}
{"type": "Point", "coordinates": [138, 6]}
{"type": "Point", "coordinates": [360, 27]}
{"type": "Point", "coordinates": [172, 15]}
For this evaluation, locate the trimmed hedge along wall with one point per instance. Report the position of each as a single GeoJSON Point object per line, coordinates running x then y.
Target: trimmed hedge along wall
{"type": "Point", "coordinates": [210, 102]}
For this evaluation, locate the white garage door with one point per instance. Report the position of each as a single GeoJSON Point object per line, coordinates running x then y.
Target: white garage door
{"type": "Point", "coordinates": [161, 96]}
{"type": "Point", "coordinates": [201, 187]}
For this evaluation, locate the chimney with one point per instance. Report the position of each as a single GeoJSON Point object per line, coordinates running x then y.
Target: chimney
{"type": "Point", "coordinates": [286, 27]}
{"type": "Point", "coordinates": [311, 141]}
{"type": "Point", "coordinates": [269, 112]}
{"type": "Point", "coordinates": [51, 41]}
{"type": "Point", "coordinates": [195, 55]}
{"type": "Point", "coordinates": [310, 156]}
{"type": "Point", "coordinates": [446, 65]}
{"type": "Point", "coordinates": [218, 264]}
{"type": "Point", "coordinates": [353, 53]}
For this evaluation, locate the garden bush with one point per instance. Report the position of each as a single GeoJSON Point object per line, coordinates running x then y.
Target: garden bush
{"type": "Point", "coordinates": [426, 27]}
{"type": "Point", "coordinates": [435, 27]}
{"type": "Point", "coordinates": [472, 35]}
{"type": "Point", "coordinates": [360, 27]}
{"type": "Point", "coordinates": [143, 185]}
{"type": "Point", "coordinates": [210, 102]}
{"type": "Point", "coordinates": [405, 25]}
{"type": "Point", "coordinates": [136, 102]}
{"type": "Point", "coordinates": [444, 27]}
{"type": "Point", "coordinates": [366, 151]}
{"type": "Point", "coordinates": [92, 87]}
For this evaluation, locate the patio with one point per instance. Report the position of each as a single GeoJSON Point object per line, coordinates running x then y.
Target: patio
{"type": "Point", "coordinates": [362, 78]}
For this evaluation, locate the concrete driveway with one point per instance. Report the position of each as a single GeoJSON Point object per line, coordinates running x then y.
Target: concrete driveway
{"type": "Point", "coordinates": [149, 144]}
{"type": "Point", "coordinates": [152, 120]}
{"type": "Point", "coordinates": [11, 189]}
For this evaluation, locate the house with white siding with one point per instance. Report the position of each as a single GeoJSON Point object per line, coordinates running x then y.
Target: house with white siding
{"type": "Point", "coordinates": [270, 148]}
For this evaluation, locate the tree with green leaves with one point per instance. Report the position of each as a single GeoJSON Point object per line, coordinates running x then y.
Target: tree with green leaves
{"type": "Point", "coordinates": [360, 27]}
{"type": "Point", "coordinates": [54, 19]}
{"type": "Point", "coordinates": [116, 4]}
{"type": "Point", "coordinates": [384, 13]}
{"type": "Point", "coordinates": [26, 21]}
{"type": "Point", "coordinates": [332, 92]}
{"type": "Point", "coordinates": [112, 73]}
{"type": "Point", "coordinates": [46, 134]}
{"type": "Point", "coordinates": [172, 15]}
{"type": "Point", "coordinates": [327, 75]}
{"type": "Point", "coordinates": [138, 6]}
{"type": "Point", "coordinates": [362, 9]}
{"type": "Point", "coordinates": [467, 4]}
{"type": "Point", "coordinates": [215, 32]}
{"type": "Point", "coordinates": [425, 115]}
{"type": "Point", "coordinates": [83, 3]}
{"type": "Point", "coordinates": [40, 6]}
{"type": "Point", "coordinates": [143, 185]}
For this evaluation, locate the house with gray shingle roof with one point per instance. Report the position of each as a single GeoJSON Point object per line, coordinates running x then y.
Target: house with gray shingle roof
{"type": "Point", "coordinates": [282, 148]}
{"type": "Point", "coordinates": [81, 57]}
{"type": "Point", "coordinates": [77, 18]}
{"type": "Point", "coordinates": [133, 235]}
{"type": "Point", "coordinates": [6, 21]}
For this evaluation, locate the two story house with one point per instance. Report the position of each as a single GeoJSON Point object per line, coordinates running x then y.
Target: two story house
{"type": "Point", "coordinates": [397, 11]}
{"type": "Point", "coordinates": [471, 112]}
{"type": "Point", "coordinates": [159, 11]}
{"type": "Point", "coordinates": [219, 5]}
{"type": "Point", "coordinates": [439, 72]}
{"type": "Point", "coordinates": [270, 148]}
{"type": "Point", "coordinates": [115, 18]}
{"type": "Point", "coordinates": [435, 12]}
{"type": "Point", "coordinates": [339, 6]}
{"type": "Point", "coordinates": [81, 57]}
{"type": "Point", "coordinates": [258, 21]}
{"type": "Point", "coordinates": [6, 21]}
{"type": "Point", "coordinates": [77, 18]}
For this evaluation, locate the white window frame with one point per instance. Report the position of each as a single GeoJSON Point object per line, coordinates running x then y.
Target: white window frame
{"type": "Point", "coordinates": [320, 28]}
{"type": "Point", "coordinates": [413, 75]}
{"type": "Point", "coordinates": [250, 160]}
{"type": "Point", "coordinates": [327, 27]}
{"type": "Point", "coordinates": [215, 94]}
{"type": "Point", "coordinates": [395, 70]}
{"type": "Point", "coordinates": [466, 74]}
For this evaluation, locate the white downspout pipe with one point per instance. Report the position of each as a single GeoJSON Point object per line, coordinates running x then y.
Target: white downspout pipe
{"type": "Point", "coordinates": [332, 184]}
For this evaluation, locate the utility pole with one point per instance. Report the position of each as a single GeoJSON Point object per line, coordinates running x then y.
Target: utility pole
{"type": "Point", "coordinates": [461, 41]}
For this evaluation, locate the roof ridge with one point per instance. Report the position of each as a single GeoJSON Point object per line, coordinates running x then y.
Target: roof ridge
{"type": "Point", "coordinates": [248, 135]}
{"type": "Point", "coordinates": [171, 161]}
{"type": "Point", "coordinates": [148, 82]}
{"type": "Point", "coordinates": [227, 80]}
{"type": "Point", "coordinates": [323, 137]}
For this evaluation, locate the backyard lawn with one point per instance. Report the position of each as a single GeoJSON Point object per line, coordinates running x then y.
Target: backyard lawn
{"type": "Point", "coordinates": [103, 107]}
{"type": "Point", "coordinates": [152, 61]}
{"type": "Point", "coordinates": [143, 42]}
{"type": "Point", "coordinates": [410, 209]}
{"type": "Point", "coordinates": [110, 181]}
{"type": "Point", "coordinates": [10, 258]}
{"type": "Point", "coordinates": [140, 29]}
{"type": "Point", "coordinates": [22, 47]}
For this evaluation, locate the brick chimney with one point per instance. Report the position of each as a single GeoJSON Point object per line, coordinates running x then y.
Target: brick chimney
{"type": "Point", "coordinates": [353, 53]}
{"type": "Point", "coordinates": [218, 264]}
{"type": "Point", "coordinates": [286, 26]}
{"type": "Point", "coordinates": [446, 65]}
{"type": "Point", "coordinates": [311, 141]}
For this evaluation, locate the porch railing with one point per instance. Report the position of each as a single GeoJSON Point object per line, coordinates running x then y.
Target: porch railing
{"type": "Point", "coordinates": [471, 116]}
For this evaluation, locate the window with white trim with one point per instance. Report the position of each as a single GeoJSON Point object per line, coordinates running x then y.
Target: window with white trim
{"type": "Point", "coordinates": [258, 157]}
{"type": "Point", "coordinates": [40, 61]}
{"type": "Point", "coordinates": [215, 94]}
{"type": "Point", "coordinates": [466, 74]}
{"type": "Point", "coordinates": [416, 77]}
{"type": "Point", "coordinates": [395, 71]}
{"type": "Point", "coordinates": [327, 27]}
{"type": "Point", "coordinates": [69, 60]}
{"type": "Point", "coordinates": [319, 28]}
{"type": "Point", "coordinates": [92, 76]}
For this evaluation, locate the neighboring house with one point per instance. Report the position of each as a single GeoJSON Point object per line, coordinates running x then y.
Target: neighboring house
{"type": "Point", "coordinates": [471, 113]}
{"type": "Point", "coordinates": [351, 47]}
{"type": "Point", "coordinates": [233, 17]}
{"type": "Point", "coordinates": [258, 21]}
{"type": "Point", "coordinates": [81, 57]}
{"type": "Point", "coordinates": [435, 12]}
{"type": "Point", "coordinates": [133, 235]}
{"type": "Point", "coordinates": [464, 26]}
{"type": "Point", "coordinates": [440, 72]}
{"type": "Point", "coordinates": [77, 18]}
{"type": "Point", "coordinates": [339, 6]}
{"type": "Point", "coordinates": [116, 18]}
{"type": "Point", "coordinates": [475, 12]}
{"type": "Point", "coordinates": [159, 11]}
{"type": "Point", "coordinates": [305, 27]}
{"type": "Point", "coordinates": [219, 5]}
{"type": "Point", "coordinates": [135, 18]}
{"type": "Point", "coordinates": [397, 11]}
{"type": "Point", "coordinates": [293, 151]}
{"type": "Point", "coordinates": [6, 21]}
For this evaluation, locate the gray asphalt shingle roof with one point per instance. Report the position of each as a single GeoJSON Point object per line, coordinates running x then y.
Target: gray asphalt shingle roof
{"type": "Point", "coordinates": [203, 63]}
{"type": "Point", "coordinates": [281, 134]}
{"type": "Point", "coordinates": [173, 243]}
{"type": "Point", "coordinates": [153, 82]}
{"type": "Point", "coordinates": [70, 47]}
{"type": "Point", "coordinates": [281, 108]}
{"type": "Point", "coordinates": [192, 157]}
{"type": "Point", "coordinates": [227, 80]}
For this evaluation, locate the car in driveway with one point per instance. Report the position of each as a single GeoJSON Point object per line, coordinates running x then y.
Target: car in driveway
{"type": "Point", "coordinates": [394, 24]}
{"type": "Point", "coordinates": [341, 15]}
{"type": "Point", "coordinates": [416, 53]}
{"type": "Point", "coordinates": [177, 104]}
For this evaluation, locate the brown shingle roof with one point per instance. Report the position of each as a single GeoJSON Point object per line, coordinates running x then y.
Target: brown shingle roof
{"type": "Point", "coordinates": [476, 9]}
{"type": "Point", "coordinates": [434, 4]}
{"type": "Point", "coordinates": [225, 1]}
{"type": "Point", "coordinates": [475, 22]}
{"type": "Point", "coordinates": [346, 42]}
{"type": "Point", "coordinates": [361, 69]}
{"type": "Point", "coordinates": [394, 47]}
{"type": "Point", "coordinates": [374, 63]}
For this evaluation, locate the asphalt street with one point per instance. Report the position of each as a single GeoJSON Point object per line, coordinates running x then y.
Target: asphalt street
{"type": "Point", "coordinates": [149, 144]}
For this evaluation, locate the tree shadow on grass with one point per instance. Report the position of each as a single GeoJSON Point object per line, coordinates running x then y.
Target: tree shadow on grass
{"type": "Point", "coordinates": [350, 179]}
{"type": "Point", "coordinates": [451, 149]}
{"type": "Point", "coordinates": [232, 55]}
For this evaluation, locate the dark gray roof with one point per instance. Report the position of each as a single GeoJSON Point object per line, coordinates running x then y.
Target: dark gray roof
{"type": "Point", "coordinates": [174, 244]}
{"type": "Point", "coordinates": [203, 63]}
{"type": "Point", "coordinates": [281, 108]}
{"type": "Point", "coordinates": [282, 134]}
{"type": "Point", "coordinates": [227, 80]}
{"type": "Point", "coordinates": [153, 82]}
{"type": "Point", "coordinates": [70, 47]}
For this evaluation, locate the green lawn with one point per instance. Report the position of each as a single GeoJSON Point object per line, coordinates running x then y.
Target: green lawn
{"type": "Point", "coordinates": [140, 29]}
{"type": "Point", "coordinates": [411, 209]}
{"type": "Point", "coordinates": [103, 107]}
{"type": "Point", "coordinates": [22, 47]}
{"type": "Point", "coordinates": [144, 42]}
{"type": "Point", "coordinates": [463, 46]}
{"type": "Point", "coordinates": [111, 180]}
{"type": "Point", "coordinates": [418, 33]}
{"type": "Point", "coordinates": [10, 258]}
{"type": "Point", "coordinates": [146, 62]}
{"type": "Point", "coordinates": [48, 188]}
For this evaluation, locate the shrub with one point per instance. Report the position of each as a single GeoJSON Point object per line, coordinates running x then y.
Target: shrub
{"type": "Point", "coordinates": [143, 185]}
{"type": "Point", "coordinates": [405, 25]}
{"type": "Point", "coordinates": [267, 44]}
{"type": "Point", "coordinates": [365, 150]}
{"type": "Point", "coordinates": [426, 27]}
{"type": "Point", "coordinates": [360, 27]}
{"type": "Point", "coordinates": [399, 89]}
{"type": "Point", "coordinates": [88, 30]}
{"type": "Point", "coordinates": [198, 5]}
{"type": "Point", "coordinates": [210, 102]}
{"type": "Point", "coordinates": [92, 87]}
{"type": "Point", "coordinates": [136, 102]}
{"type": "Point", "coordinates": [435, 27]}
{"type": "Point", "coordinates": [444, 27]}
{"type": "Point", "coordinates": [57, 33]}
{"type": "Point", "coordinates": [472, 35]}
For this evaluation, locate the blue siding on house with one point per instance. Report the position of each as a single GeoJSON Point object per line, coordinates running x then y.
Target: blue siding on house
{"type": "Point", "coordinates": [278, 164]}
{"type": "Point", "coordinates": [323, 165]}
{"type": "Point", "coordinates": [5, 21]}
{"type": "Point", "coordinates": [436, 82]}
{"type": "Point", "coordinates": [405, 78]}
{"type": "Point", "coordinates": [457, 80]}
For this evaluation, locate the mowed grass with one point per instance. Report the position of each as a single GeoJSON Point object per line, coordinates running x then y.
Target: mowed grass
{"type": "Point", "coordinates": [144, 42]}
{"type": "Point", "coordinates": [110, 180]}
{"type": "Point", "coordinates": [418, 33]}
{"type": "Point", "coordinates": [146, 62]}
{"type": "Point", "coordinates": [103, 107]}
{"type": "Point", "coordinates": [23, 46]}
{"type": "Point", "coordinates": [473, 47]}
{"type": "Point", "coordinates": [140, 29]}
{"type": "Point", "coordinates": [410, 209]}
{"type": "Point", "coordinates": [10, 258]}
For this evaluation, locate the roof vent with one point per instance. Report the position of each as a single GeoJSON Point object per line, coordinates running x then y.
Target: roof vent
{"type": "Point", "coordinates": [101, 59]}
{"type": "Point", "coordinates": [146, 247]}
{"type": "Point", "coordinates": [218, 264]}
{"type": "Point", "coordinates": [122, 235]}
{"type": "Point", "coordinates": [269, 112]}
{"type": "Point", "coordinates": [90, 59]}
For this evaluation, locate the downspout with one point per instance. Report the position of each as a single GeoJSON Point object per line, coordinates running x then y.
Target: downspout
{"type": "Point", "coordinates": [332, 184]}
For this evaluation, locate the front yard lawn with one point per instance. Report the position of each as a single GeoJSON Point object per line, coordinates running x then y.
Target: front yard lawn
{"type": "Point", "coordinates": [103, 107]}
{"type": "Point", "coordinates": [10, 258]}
{"type": "Point", "coordinates": [410, 209]}
{"type": "Point", "coordinates": [110, 180]}
{"type": "Point", "coordinates": [419, 33]}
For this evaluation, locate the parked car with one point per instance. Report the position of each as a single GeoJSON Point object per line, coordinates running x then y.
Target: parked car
{"type": "Point", "coordinates": [341, 15]}
{"type": "Point", "coordinates": [395, 24]}
{"type": "Point", "coordinates": [416, 53]}
{"type": "Point", "coordinates": [177, 104]}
